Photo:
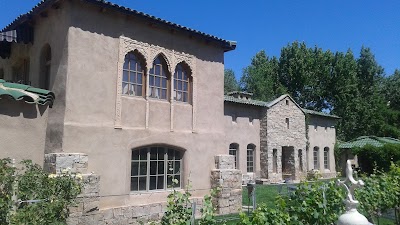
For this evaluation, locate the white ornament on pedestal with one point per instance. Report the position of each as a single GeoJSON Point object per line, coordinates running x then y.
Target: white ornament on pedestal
{"type": "Point", "coordinates": [351, 216]}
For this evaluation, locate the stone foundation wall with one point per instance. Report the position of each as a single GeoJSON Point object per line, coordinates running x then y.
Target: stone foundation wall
{"type": "Point", "coordinates": [228, 181]}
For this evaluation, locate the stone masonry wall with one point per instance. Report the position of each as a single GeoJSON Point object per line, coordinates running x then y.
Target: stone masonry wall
{"type": "Point", "coordinates": [228, 181]}
{"type": "Point", "coordinates": [275, 134]}
{"type": "Point", "coordinates": [86, 211]}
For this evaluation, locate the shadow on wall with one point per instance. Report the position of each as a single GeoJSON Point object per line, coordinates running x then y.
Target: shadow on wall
{"type": "Point", "coordinates": [12, 108]}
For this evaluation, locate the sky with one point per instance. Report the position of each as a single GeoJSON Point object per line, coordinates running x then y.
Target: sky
{"type": "Point", "coordinates": [270, 25]}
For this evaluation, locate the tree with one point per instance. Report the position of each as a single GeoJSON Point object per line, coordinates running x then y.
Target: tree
{"type": "Point", "coordinates": [230, 82]}
{"type": "Point", "coordinates": [261, 78]}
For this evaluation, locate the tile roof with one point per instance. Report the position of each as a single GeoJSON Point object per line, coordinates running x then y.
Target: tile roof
{"type": "Point", "coordinates": [26, 93]}
{"type": "Point", "coordinates": [368, 140]}
{"type": "Point", "coordinates": [315, 113]}
{"type": "Point", "coordinates": [228, 98]}
{"type": "Point", "coordinates": [43, 4]}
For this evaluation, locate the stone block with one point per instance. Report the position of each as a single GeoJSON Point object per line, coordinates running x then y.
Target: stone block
{"type": "Point", "coordinates": [224, 162]}
{"type": "Point", "coordinates": [57, 162]}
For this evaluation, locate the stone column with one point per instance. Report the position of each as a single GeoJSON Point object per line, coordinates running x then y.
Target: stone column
{"type": "Point", "coordinates": [228, 181]}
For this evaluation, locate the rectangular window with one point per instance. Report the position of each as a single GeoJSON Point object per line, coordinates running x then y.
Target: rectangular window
{"type": "Point", "coordinates": [233, 150]}
{"type": "Point", "coordinates": [287, 123]}
{"type": "Point", "coordinates": [250, 159]}
{"type": "Point", "coordinates": [326, 158]}
{"type": "Point", "coordinates": [316, 158]}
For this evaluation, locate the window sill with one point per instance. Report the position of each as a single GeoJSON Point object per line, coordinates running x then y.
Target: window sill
{"type": "Point", "coordinates": [154, 191]}
{"type": "Point", "coordinates": [133, 97]}
{"type": "Point", "coordinates": [182, 103]}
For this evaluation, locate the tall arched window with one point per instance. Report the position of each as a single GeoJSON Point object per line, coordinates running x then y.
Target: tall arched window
{"type": "Point", "coordinates": [155, 168]}
{"type": "Point", "coordinates": [326, 158]}
{"type": "Point", "coordinates": [182, 83]}
{"type": "Point", "coordinates": [133, 75]}
{"type": "Point", "coordinates": [234, 150]}
{"type": "Point", "coordinates": [250, 158]}
{"type": "Point", "coordinates": [275, 160]}
{"type": "Point", "coordinates": [316, 158]}
{"type": "Point", "coordinates": [159, 79]}
{"type": "Point", "coordinates": [45, 66]}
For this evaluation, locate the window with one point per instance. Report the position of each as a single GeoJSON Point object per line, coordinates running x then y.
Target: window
{"type": "Point", "coordinates": [287, 123]}
{"type": "Point", "coordinates": [154, 168]}
{"type": "Point", "coordinates": [287, 102]}
{"type": "Point", "coordinates": [326, 158]}
{"type": "Point", "coordinates": [233, 150]}
{"type": "Point", "coordinates": [182, 84]}
{"type": "Point", "coordinates": [275, 160]}
{"type": "Point", "coordinates": [250, 158]}
{"type": "Point", "coordinates": [158, 78]}
{"type": "Point", "coordinates": [316, 158]}
{"type": "Point", "coordinates": [1, 73]}
{"type": "Point", "coordinates": [133, 75]}
{"type": "Point", "coordinates": [45, 65]}
{"type": "Point", "coordinates": [301, 160]}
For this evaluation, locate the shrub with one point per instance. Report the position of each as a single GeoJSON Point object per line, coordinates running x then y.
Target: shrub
{"type": "Point", "coordinates": [371, 157]}
{"type": "Point", "coordinates": [55, 194]}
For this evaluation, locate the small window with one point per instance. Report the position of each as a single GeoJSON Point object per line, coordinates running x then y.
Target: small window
{"type": "Point", "coordinates": [287, 123]}
{"type": "Point", "coordinates": [250, 158]}
{"type": "Point", "coordinates": [155, 168]}
{"type": "Point", "coordinates": [275, 160]}
{"type": "Point", "coordinates": [326, 158]}
{"type": "Point", "coordinates": [159, 79]}
{"type": "Point", "coordinates": [287, 102]}
{"type": "Point", "coordinates": [234, 150]}
{"type": "Point", "coordinates": [133, 79]}
{"type": "Point", "coordinates": [182, 84]}
{"type": "Point", "coordinates": [316, 158]}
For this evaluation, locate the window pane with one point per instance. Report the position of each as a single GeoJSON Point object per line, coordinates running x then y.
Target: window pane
{"type": "Point", "coordinates": [153, 153]}
{"type": "Point", "coordinates": [135, 155]}
{"type": "Point", "coordinates": [161, 168]}
{"type": "Point", "coordinates": [151, 80]}
{"type": "Point", "coordinates": [142, 183]}
{"type": "Point", "coordinates": [132, 89]}
{"type": "Point", "coordinates": [185, 76]}
{"type": "Point", "coordinates": [178, 155]}
{"type": "Point", "coordinates": [185, 86]}
{"type": "Point", "coordinates": [153, 181]}
{"type": "Point", "coordinates": [158, 69]}
{"type": "Point", "coordinates": [164, 94]}
{"type": "Point", "coordinates": [179, 85]}
{"type": "Point", "coordinates": [179, 74]}
{"type": "Point", "coordinates": [125, 76]}
{"type": "Point", "coordinates": [179, 181]}
{"type": "Point", "coordinates": [139, 91]}
{"type": "Point", "coordinates": [139, 78]}
{"type": "Point", "coordinates": [153, 167]}
{"type": "Point", "coordinates": [135, 169]}
{"type": "Point", "coordinates": [143, 168]}
{"type": "Point", "coordinates": [126, 63]}
{"type": "Point", "coordinates": [158, 82]}
{"type": "Point", "coordinates": [185, 97]}
{"type": "Point", "coordinates": [133, 77]}
{"type": "Point", "coordinates": [139, 67]}
{"type": "Point", "coordinates": [134, 184]}
{"type": "Point", "coordinates": [164, 83]}
{"type": "Point", "coordinates": [143, 154]}
{"type": "Point", "coordinates": [160, 182]}
{"type": "Point", "coordinates": [177, 167]}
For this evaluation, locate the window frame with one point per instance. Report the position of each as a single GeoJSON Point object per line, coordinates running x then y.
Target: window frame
{"type": "Point", "coordinates": [235, 148]}
{"type": "Point", "coordinates": [164, 74]}
{"type": "Point", "coordinates": [250, 158]}
{"type": "Point", "coordinates": [184, 70]}
{"type": "Point", "coordinates": [326, 158]}
{"type": "Point", "coordinates": [138, 61]}
{"type": "Point", "coordinates": [316, 158]}
{"type": "Point", "coordinates": [164, 159]}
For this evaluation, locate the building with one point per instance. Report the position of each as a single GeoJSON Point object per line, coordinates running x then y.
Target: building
{"type": "Point", "coordinates": [135, 105]}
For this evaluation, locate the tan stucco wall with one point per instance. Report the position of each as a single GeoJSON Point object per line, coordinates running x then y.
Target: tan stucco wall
{"type": "Point", "coordinates": [93, 54]}
{"type": "Point", "coordinates": [322, 133]}
{"type": "Point", "coordinates": [243, 132]}
{"type": "Point", "coordinates": [278, 136]}
{"type": "Point", "coordinates": [22, 130]}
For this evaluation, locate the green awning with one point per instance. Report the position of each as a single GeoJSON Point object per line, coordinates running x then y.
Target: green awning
{"type": "Point", "coordinates": [368, 140]}
{"type": "Point", "coordinates": [29, 94]}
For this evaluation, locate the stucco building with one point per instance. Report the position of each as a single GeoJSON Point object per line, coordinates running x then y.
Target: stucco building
{"type": "Point", "coordinates": [135, 105]}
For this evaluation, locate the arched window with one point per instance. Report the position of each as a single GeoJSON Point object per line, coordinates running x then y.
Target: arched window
{"type": "Point", "coordinates": [155, 168]}
{"type": "Point", "coordinates": [316, 158]}
{"type": "Point", "coordinates": [301, 160]}
{"type": "Point", "coordinates": [326, 158]}
{"type": "Point", "coordinates": [182, 84]}
{"type": "Point", "coordinates": [45, 66]}
{"type": "Point", "coordinates": [159, 79]}
{"type": "Point", "coordinates": [250, 158]}
{"type": "Point", "coordinates": [133, 75]}
{"type": "Point", "coordinates": [275, 160]}
{"type": "Point", "coordinates": [234, 150]}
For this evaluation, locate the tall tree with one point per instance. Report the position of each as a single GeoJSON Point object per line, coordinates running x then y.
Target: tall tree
{"type": "Point", "coordinates": [230, 82]}
{"type": "Point", "coordinates": [261, 77]}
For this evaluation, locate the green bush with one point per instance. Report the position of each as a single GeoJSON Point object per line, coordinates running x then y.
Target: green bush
{"type": "Point", "coordinates": [30, 182]}
{"type": "Point", "coordinates": [371, 157]}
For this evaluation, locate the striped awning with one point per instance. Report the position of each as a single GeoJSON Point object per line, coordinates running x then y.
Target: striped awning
{"type": "Point", "coordinates": [9, 36]}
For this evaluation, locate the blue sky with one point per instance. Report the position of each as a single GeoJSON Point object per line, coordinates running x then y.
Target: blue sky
{"type": "Point", "coordinates": [269, 25]}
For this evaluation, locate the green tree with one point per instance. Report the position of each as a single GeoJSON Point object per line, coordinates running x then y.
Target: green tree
{"type": "Point", "coordinates": [230, 82]}
{"type": "Point", "coordinates": [261, 77]}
